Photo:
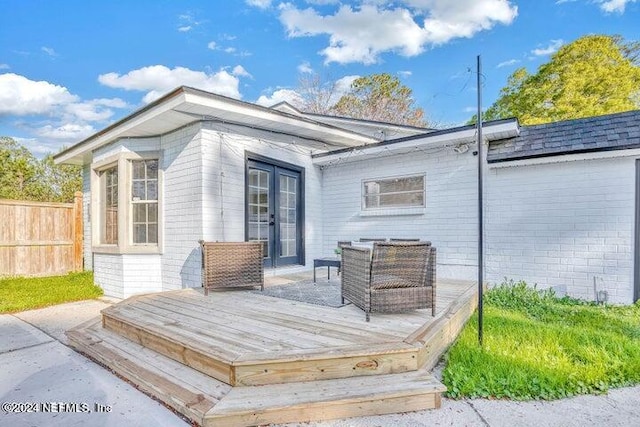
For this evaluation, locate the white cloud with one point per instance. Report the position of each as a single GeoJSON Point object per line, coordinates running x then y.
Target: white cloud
{"type": "Point", "coordinates": [305, 68]}
{"type": "Point", "coordinates": [552, 47]}
{"type": "Point", "coordinates": [507, 63]}
{"type": "Point", "coordinates": [158, 79]}
{"type": "Point", "coordinates": [212, 45]}
{"type": "Point", "coordinates": [66, 132]}
{"type": "Point", "coordinates": [608, 6]}
{"type": "Point", "coordinates": [49, 51]}
{"type": "Point", "coordinates": [280, 95]}
{"type": "Point", "coordinates": [239, 71]}
{"type": "Point", "coordinates": [36, 147]}
{"type": "Point", "coordinates": [343, 85]}
{"type": "Point", "coordinates": [94, 110]}
{"type": "Point", "coordinates": [611, 6]}
{"type": "Point", "coordinates": [323, 2]}
{"type": "Point", "coordinates": [4, 66]}
{"type": "Point", "coordinates": [52, 113]}
{"type": "Point", "coordinates": [362, 33]}
{"type": "Point", "coordinates": [229, 49]}
{"type": "Point", "coordinates": [21, 96]}
{"type": "Point", "coordinates": [262, 4]}
{"type": "Point", "coordinates": [405, 73]}
{"type": "Point", "coordinates": [187, 21]}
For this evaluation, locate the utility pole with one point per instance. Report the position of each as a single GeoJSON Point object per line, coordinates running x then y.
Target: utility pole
{"type": "Point", "coordinates": [480, 203]}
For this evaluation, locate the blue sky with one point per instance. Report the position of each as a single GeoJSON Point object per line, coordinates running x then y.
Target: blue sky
{"type": "Point", "coordinates": [70, 68]}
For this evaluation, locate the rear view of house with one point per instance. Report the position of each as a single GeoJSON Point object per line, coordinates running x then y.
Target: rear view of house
{"type": "Point", "coordinates": [560, 198]}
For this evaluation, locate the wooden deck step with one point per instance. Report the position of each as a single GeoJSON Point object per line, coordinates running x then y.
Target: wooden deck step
{"type": "Point", "coordinates": [236, 357]}
{"type": "Point", "coordinates": [186, 390]}
{"type": "Point", "coordinates": [210, 402]}
{"type": "Point", "coordinates": [327, 399]}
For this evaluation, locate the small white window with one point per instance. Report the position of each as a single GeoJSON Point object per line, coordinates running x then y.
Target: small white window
{"type": "Point", "coordinates": [394, 192]}
{"type": "Point", "coordinates": [109, 216]}
{"type": "Point", "coordinates": [144, 201]}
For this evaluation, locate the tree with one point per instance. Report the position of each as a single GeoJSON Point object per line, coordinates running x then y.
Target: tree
{"type": "Point", "coordinates": [380, 97]}
{"type": "Point", "coordinates": [24, 177]}
{"type": "Point", "coordinates": [594, 75]}
{"type": "Point", "coordinates": [317, 96]}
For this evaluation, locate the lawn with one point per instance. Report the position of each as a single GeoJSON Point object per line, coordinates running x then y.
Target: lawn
{"type": "Point", "coordinates": [537, 346]}
{"type": "Point", "coordinates": [26, 293]}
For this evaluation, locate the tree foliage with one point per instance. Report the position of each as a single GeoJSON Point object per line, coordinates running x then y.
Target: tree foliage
{"type": "Point", "coordinates": [24, 177]}
{"type": "Point", "coordinates": [380, 97]}
{"type": "Point", "coordinates": [594, 75]}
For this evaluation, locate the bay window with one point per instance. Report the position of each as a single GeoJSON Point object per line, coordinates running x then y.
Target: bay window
{"type": "Point", "coordinates": [126, 203]}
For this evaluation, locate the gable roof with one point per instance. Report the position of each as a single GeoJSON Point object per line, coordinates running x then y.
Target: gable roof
{"type": "Point", "coordinates": [185, 105]}
{"type": "Point", "coordinates": [617, 131]}
{"type": "Point", "coordinates": [380, 130]}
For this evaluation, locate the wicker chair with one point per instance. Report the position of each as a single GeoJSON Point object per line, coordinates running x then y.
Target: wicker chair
{"type": "Point", "coordinates": [228, 265]}
{"type": "Point", "coordinates": [395, 277]}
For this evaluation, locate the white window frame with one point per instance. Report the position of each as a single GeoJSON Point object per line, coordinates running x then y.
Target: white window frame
{"type": "Point", "coordinates": [393, 210]}
{"type": "Point", "coordinates": [125, 245]}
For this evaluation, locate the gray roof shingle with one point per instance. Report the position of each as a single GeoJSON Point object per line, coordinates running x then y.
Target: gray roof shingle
{"type": "Point", "coordinates": [618, 131]}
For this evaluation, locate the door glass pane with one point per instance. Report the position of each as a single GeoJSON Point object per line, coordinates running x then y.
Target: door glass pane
{"type": "Point", "coordinates": [259, 208]}
{"type": "Point", "coordinates": [288, 215]}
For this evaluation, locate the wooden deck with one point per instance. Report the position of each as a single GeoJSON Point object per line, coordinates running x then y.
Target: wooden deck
{"type": "Point", "coordinates": [240, 358]}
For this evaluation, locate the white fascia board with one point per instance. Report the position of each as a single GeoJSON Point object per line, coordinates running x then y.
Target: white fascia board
{"type": "Point", "coordinates": [563, 158]}
{"type": "Point", "coordinates": [74, 154]}
{"type": "Point", "coordinates": [492, 132]}
{"type": "Point", "coordinates": [343, 136]}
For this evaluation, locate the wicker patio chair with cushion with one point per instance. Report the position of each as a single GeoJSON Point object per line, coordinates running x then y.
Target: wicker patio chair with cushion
{"type": "Point", "coordinates": [228, 265]}
{"type": "Point", "coordinates": [396, 277]}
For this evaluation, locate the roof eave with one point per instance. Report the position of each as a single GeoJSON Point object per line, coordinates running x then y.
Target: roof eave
{"type": "Point", "coordinates": [183, 96]}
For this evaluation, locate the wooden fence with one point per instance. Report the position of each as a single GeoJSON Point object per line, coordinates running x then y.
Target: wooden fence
{"type": "Point", "coordinates": [40, 239]}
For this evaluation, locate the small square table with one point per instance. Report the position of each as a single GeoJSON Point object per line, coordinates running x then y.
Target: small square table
{"type": "Point", "coordinates": [325, 262]}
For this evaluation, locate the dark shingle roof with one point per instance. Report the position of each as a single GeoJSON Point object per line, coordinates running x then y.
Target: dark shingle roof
{"type": "Point", "coordinates": [618, 131]}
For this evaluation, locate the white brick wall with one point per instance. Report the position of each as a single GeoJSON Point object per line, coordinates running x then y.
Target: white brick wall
{"type": "Point", "coordinates": [182, 207]}
{"type": "Point", "coordinates": [108, 274]}
{"type": "Point", "coordinates": [224, 161]}
{"type": "Point", "coordinates": [450, 218]}
{"type": "Point", "coordinates": [562, 224]}
{"type": "Point", "coordinates": [121, 276]}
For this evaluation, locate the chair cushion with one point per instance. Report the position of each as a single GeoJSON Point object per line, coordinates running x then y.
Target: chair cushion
{"type": "Point", "coordinates": [388, 281]}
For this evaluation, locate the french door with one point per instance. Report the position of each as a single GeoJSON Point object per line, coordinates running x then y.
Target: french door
{"type": "Point", "coordinates": [274, 211]}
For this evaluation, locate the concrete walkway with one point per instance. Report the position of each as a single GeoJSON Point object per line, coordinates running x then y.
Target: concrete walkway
{"type": "Point", "coordinates": [36, 366]}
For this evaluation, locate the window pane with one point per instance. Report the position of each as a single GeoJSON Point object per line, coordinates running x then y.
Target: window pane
{"type": "Point", "coordinates": [138, 190]}
{"type": "Point", "coordinates": [138, 170]}
{"type": "Point", "coordinates": [153, 233]}
{"type": "Point", "coordinates": [152, 211]}
{"type": "Point", "coordinates": [140, 233]}
{"type": "Point", "coordinates": [110, 213]}
{"type": "Point", "coordinates": [152, 190]}
{"type": "Point", "coordinates": [139, 213]}
{"type": "Point", "coordinates": [152, 169]}
{"type": "Point", "coordinates": [394, 192]}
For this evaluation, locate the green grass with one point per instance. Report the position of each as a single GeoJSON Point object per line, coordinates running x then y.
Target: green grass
{"type": "Point", "coordinates": [537, 346]}
{"type": "Point", "coordinates": [26, 293]}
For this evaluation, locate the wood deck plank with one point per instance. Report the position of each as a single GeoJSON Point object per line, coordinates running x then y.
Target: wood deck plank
{"type": "Point", "coordinates": [323, 400]}
{"type": "Point", "coordinates": [348, 319]}
{"type": "Point", "coordinates": [292, 337]}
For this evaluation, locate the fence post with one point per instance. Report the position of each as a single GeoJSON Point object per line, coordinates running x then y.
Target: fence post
{"type": "Point", "coordinates": [77, 231]}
